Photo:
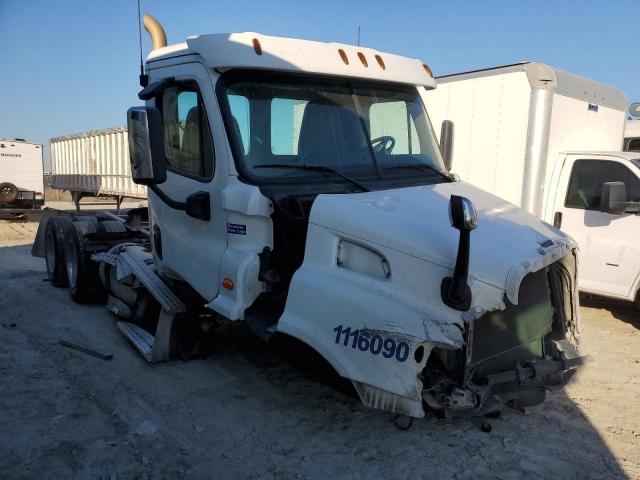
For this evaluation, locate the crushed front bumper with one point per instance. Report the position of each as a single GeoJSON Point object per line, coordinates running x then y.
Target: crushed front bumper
{"type": "Point", "coordinates": [522, 386]}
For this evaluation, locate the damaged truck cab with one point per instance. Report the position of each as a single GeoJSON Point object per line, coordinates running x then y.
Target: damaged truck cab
{"type": "Point", "coordinates": [298, 186]}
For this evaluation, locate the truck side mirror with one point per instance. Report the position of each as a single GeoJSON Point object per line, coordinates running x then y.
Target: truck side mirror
{"type": "Point", "coordinates": [614, 198]}
{"type": "Point", "coordinates": [146, 149]}
{"type": "Point", "coordinates": [446, 143]}
{"type": "Point", "coordinates": [455, 290]}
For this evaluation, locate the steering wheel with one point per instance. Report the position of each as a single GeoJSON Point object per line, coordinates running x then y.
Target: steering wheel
{"type": "Point", "coordinates": [385, 142]}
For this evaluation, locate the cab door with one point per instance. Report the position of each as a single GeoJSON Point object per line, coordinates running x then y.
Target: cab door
{"type": "Point", "coordinates": [185, 247]}
{"type": "Point", "coordinates": [609, 244]}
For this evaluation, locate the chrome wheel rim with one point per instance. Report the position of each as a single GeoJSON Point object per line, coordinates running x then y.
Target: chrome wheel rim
{"type": "Point", "coordinates": [50, 252]}
{"type": "Point", "coordinates": [72, 264]}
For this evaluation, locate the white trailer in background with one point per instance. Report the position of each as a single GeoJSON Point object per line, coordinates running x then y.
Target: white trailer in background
{"type": "Point", "coordinates": [21, 174]}
{"type": "Point", "coordinates": [549, 141]}
{"type": "Point", "coordinates": [94, 164]}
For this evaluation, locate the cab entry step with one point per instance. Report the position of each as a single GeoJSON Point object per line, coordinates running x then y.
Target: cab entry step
{"type": "Point", "coordinates": [141, 339]}
{"type": "Point", "coordinates": [153, 349]}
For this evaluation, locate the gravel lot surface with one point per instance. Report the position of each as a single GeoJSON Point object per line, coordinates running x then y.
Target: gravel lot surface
{"type": "Point", "coordinates": [252, 411]}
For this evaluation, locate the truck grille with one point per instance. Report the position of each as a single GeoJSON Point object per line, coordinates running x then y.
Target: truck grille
{"type": "Point", "coordinates": [500, 339]}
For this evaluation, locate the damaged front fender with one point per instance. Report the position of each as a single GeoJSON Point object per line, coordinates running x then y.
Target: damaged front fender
{"type": "Point", "coordinates": [386, 334]}
{"type": "Point", "coordinates": [377, 333]}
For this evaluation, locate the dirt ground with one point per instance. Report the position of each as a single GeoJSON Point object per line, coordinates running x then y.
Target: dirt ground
{"type": "Point", "coordinates": [249, 411]}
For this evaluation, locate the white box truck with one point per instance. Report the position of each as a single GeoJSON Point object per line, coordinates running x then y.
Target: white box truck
{"type": "Point", "coordinates": [94, 164]}
{"type": "Point", "coordinates": [425, 292]}
{"type": "Point", "coordinates": [527, 132]}
{"type": "Point", "coordinates": [21, 174]}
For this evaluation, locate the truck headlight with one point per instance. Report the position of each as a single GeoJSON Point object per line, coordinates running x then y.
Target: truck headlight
{"type": "Point", "coordinates": [358, 258]}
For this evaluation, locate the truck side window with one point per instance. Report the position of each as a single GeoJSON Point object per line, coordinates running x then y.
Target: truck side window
{"type": "Point", "coordinates": [587, 178]}
{"type": "Point", "coordinates": [241, 119]}
{"type": "Point", "coordinates": [187, 138]}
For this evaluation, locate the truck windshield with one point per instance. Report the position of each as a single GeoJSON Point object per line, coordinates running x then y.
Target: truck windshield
{"type": "Point", "coordinates": [364, 131]}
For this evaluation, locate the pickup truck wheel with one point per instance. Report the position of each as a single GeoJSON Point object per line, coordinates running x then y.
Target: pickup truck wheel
{"type": "Point", "coordinates": [8, 193]}
{"type": "Point", "coordinates": [54, 251]}
{"type": "Point", "coordinates": [82, 272]}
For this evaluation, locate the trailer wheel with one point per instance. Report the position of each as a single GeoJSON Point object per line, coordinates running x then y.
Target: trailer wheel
{"type": "Point", "coordinates": [82, 272]}
{"type": "Point", "coordinates": [54, 251]}
{"type": "Point", "coordinates": [8, 193]}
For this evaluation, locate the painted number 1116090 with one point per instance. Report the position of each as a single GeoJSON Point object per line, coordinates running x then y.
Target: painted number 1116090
{"type": "Point", "coordinates": [376, 344]}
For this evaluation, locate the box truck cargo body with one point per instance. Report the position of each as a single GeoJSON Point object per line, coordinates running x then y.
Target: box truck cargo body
{"type": "Point", "coordinates": [549, 141]}
{"type": "Point", "coordinates": [21, 174]}
{"type": "Point", "coordinates": [94, 163]}
{"type": "Point", "coordinates": [512, 121]}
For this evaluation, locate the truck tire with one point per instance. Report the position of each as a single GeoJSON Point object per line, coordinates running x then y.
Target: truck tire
{"type": "Point", "coordinates": [54, 251]}
{"type": "Point", "coordinates": [8, 193]}
{"type": "Point", "coordinates": [82, 272]}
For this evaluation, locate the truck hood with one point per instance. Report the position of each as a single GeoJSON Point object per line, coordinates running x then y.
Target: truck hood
{"type": "Point", "coordinates": [507, 244]}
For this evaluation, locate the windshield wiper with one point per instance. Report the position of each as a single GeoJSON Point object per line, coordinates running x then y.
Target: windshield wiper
{"type": "Point", "coordinates": [315, 168]}
{"type": "Point", "coordinates": [421, 167]}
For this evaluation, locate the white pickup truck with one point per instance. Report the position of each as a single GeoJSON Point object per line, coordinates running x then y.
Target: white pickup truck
{"type": "Point", "coordinates": [549, 141]}
{"type": "Point", "coordinates": [298, 186]}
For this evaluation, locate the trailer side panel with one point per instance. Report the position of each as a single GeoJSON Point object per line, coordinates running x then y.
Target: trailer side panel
{"type": "Point", "coordinates": [95, 162]}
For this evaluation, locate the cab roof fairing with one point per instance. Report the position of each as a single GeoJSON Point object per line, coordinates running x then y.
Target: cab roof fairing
{"type": "Point", "coordinates": [238, 50]}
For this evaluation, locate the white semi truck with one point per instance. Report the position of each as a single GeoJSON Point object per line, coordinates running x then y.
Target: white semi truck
{"type": "Point", "coordinates": [21, 175]}
{"type": "Point", "coordinates": [549, 141]}
{"type": "Point", "coordinates": [298, 186]}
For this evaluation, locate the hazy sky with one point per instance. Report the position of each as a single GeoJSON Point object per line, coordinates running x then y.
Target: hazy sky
{"type": "Point", "coordinates": [69, 66]}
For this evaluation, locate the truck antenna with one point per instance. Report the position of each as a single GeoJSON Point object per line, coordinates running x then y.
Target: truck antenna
{"type": "Point", "coordinates": [144, 79]}
{"type": "Point", "coordinates": [358, 33]}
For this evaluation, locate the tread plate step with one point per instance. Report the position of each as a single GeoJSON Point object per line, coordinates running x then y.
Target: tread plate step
{"type": "Point", "coordinates": [105, 257]}
{"type": "Point", "coordinates": [133, 259]}
{"type": "Point", "coordinates": [141, 339]}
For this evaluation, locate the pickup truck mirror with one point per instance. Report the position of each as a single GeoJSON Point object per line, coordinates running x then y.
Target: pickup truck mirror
{"type": "Point", "coordinates": [446, 143]}
{"type": "Point", "coordinates": [146, 149]}
{"type": "Point", "coordinates": [614, 199]}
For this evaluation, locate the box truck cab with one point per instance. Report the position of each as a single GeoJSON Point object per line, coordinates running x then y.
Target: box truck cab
{"type": "Point", "coordinates": [298, 186]}
{"type": "Point", "coordinates": [580, 203]}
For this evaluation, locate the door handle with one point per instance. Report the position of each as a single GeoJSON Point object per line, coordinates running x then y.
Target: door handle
{"type": "Point", "coordinates": [557, 220]}
{"type": "Point", "coordinates": [197, 204]}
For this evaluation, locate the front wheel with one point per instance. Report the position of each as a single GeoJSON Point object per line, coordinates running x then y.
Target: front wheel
{"type": "Point", "coordinates": [82, 272]}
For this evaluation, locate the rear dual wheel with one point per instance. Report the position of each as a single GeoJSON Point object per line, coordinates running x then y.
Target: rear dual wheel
{"type": "Point", "coordinates": [54, 250]}
{"type": "Point", "coordinates": [82, 273]}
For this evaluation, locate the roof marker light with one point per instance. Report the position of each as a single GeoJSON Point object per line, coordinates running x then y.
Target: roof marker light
{"type": "Point", "coordinates": [343, 56]}
{"type": "Point", "coordinates": [363, 59]}
{"type": "Point", "coordinates": [257, 47]}
{"type": "Point", "coordinates": [426, 67]}
{"type": "Point", "coordinates": [381, 62]}
{"type": "Point", "coordinates": [227, 284]}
